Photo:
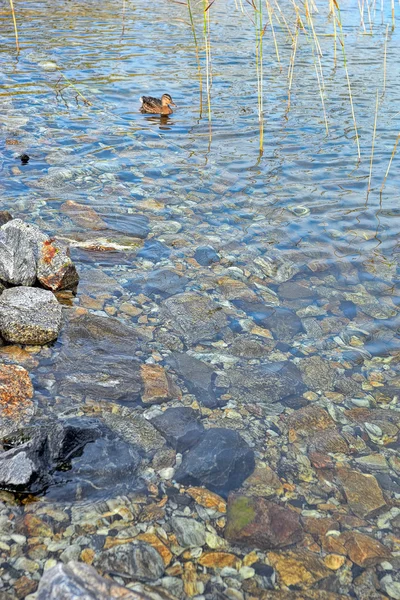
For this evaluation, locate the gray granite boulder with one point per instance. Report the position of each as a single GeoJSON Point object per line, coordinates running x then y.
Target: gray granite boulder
{"type": "Point", "coordinates": [29, 316]}
{"type": "Point", "coordinates": [79, 581]}
{"type": "Point", "coordinates": [18, 252]}
{"type": "Point", "coordinates": [138, 560]}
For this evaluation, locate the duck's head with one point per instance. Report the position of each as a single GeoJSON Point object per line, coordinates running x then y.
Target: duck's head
{"type": "Point", "coordinates": [166, 100]}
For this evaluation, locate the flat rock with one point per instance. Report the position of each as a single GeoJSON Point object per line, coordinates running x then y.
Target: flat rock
{"type": "Point", "coordinates": [29, 316]}
{"type": "Point", "coordinates": [55, 269]}
{"type": "Point", "coordinates": [364, 550]}
{"type": "Point", "coordinates": [282, 322]}
{"type": "Point", "coordinates": [158, 385]}
{"type": "Point", "coordinates": [16, 392]}
{"type": "Point", "coordinates": [23, 466]}
{"type": "Point", "coordinates": [18, 252]}
{"type": "Point", "coordinates": [267, 383]}
{"type": "Point", "coordinates": [180, 426]}
{"type": "Point", "coordinates": [97, 360]}
{"type": "Point", "coordinates": [132, 224]}
{"type": "Point", "coordinates": [258, 523]}
{"type": "Point", "coordinates": [163, 283]}
{"type": "Point", "coordinates": [221, 461]}
{"type": "Point", "coordinates": [318, 373]}
{"type": "Point", "coordinates": [154, 251]}
{"type": "Point", "coordinates": [137, 560]}
{"type": "Point", "coordinates": [195, 317]}
{"type": "Point", "coordinates": [136, 430]}
{"type": "Point", "coordinates": [301, 568]}
{"type": "Point", "coordinates": [363, 493]}
{"type": "Point", "coordinates": [79, 581]}
{"type": "Point", "coordinates": [189, 532]}
{"type": "Point", "coordinates": [306, 595]}
{"type": "Point", "coordinates": [199, 378]}
{"type": "Point", "coordinates": [310, 420]}
{"type": "Point", "coordinates": [289, 290]}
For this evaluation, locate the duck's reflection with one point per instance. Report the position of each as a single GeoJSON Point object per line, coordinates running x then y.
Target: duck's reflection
{"type": "Point", "coordinates": [164, 121]}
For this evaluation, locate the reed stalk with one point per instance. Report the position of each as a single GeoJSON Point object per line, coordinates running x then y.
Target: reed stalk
{"type": "Point", "coordinates": [259, 67]}
{"type": "Point", "coordinates": [373, 144]}
{"type": "Point", "coordinates": [390, 161]}
{"type": "Point", "coordinates": [196, 45]}
{"type": "Point", "coordinates": [393, 20]}
{"type": "Point", "coordinates": [206, 34]}
{"type": "Point", "coordinates": [85, 100]}
{"type": "Point", "coordinates": [15, 25]}
{"type": "Point", "coordinates": [273, 33]}
{"type": "Point", "coordinates": [339, 21]}
{"type": "Point", "coordinates": [385, 60]}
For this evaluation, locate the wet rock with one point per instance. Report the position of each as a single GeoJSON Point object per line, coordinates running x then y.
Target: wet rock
{"type": "Point", "coordinates": [18, 252]}
{"type": "Point", "coordinates": [154, 251]}
{"type": "Point", "coordinates": [263, 482]}
{"type": "Point", "coordinates": [329, 441]}
{"type": "Point", "coordinates": [84, 366]}
{"type": "Point", "coordinates": [267, 383]}
{"type": "Point", "coordinates": [198, 376]}
{"type": "Point", "coordinates": [180, 426]}
{"type": "Point", "coordinates": [16, 391]}
{"type": "Point", "coordinates": [158, 386]}
{"type": "Point", "coordinates": [248, 347]}
{"type": "Point", "coordinates": [195, 317]}
{"type": "Point", "coordinates": [206, 256]}
{"type": "Point", "coordinates": [318, 373]}
{"type": "Point", "coordinates": [301, 569]}
{"type": "Point", "coordinates": [79, 581]}
{"type": "Point", "coordinates": [290, 290]}
{"type": "Point", "coordinates": [24, 467]}
{"type": "Point", "coordinates": [82, 215]}
{"type": "Point", "coordinates": [310, 420]}
{"type": "Point", "coordinates": [363, 493]}
{"type": "Point", "coordinates": [207, 499]}
{"type": "Point", "coordinates": [5, 216]}
{"type": "Point", "coordinates": [282, 322]}
{"type": "Point", "coordinates": [258, 523]}
{"type": "Point", "coordinates": [278, 269]}
{"type": "Point", "coordinates": [137, 560]}
{"type": "Point", "coordinates": [55, 269]}
{"type": "Point", "coordinates": [165, 283]}
{"type": "Point", "coordinates": [189, 533]}
{"type": "Point", "coordinates": [136, 430]}
{"type": "Point", "coordinates": [306, 595]}
{"type": "Point", "coordinates": [221, 461]}
{"type": "Point", "coordinates": [364, 550]}
{"type": "Point", "coordinates": [29, 316]}
{"type": "Point", "coordinates": [132, 224]}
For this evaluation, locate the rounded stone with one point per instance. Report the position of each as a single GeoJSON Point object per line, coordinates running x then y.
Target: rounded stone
{"type": "Point", "coordinates": [29, 316]}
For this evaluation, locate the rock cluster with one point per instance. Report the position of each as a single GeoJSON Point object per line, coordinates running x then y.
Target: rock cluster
{"type": "Point", "coordinates": [28, 257]}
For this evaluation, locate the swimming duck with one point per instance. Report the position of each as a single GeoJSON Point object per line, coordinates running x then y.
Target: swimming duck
{"type": "Point", "coordinates": [156, 106]}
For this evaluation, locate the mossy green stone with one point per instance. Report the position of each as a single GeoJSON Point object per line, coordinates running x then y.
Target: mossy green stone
{"type": "Point", "coordinates": [241, 513]}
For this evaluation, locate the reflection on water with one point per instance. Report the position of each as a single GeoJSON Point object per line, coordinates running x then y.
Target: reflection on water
{"type": "Point", "coordinates": [259, 293]}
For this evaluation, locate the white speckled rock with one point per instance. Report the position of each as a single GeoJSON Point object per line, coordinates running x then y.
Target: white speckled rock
{"type": "Point", "coordinates": [18, 252]}
{"type": "Point", "coordinates": [29, 316]}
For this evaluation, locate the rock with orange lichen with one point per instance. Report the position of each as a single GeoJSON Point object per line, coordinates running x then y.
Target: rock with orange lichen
{"type": "Point", "coordinates": [16, 391]}
{"type": "Point", "coordinates": [162, 549]}
{"type": "Point", "coordinates": [301, 568]}
{"type": "Point", "coordinates": [306, 595]}
{"type": "Point", "coordinates": [157, 384]}
{"type": "Point", "coordinates": [310, 420]}
{"type": "Point", "coordinates": [364, 550]}
{"type": "Point", "coordinates": [207, 499]}
{"type": "Point", "coordinates": [55, 269]}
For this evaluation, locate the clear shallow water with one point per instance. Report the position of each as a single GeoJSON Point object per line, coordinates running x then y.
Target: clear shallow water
{"type": "Point", "coordinates": [171, 182]}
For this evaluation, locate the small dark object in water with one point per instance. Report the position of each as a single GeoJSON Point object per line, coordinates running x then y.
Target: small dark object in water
{"type": "Point", "coordinates": [156, 106]}
{"type": "Point", "coordinates": [24, 159]}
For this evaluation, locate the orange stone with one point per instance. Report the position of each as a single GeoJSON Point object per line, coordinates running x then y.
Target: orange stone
{"type": "Point", "coordinates": [16, 391]}
{"type": "Point", "coordinates": [157, 385]}
{"type": "Point", "coordinates": [364, 550]}
{"type": "Point", "coordinates": [36, 527]}
{"type": "Point", "coordinates": [302, 569]}
{"type": "Point", "coordinates": [162, 549]}
{"type": "Point", "coordinates": [87, 555]}
{"type": "Point", "coordinates": [219, 560]}
{"type": "Point", "coordinates": [334, 561]}
{"type": "Point", "coordinates": [83, 216]}
{"type": "Point", "coordinates": [207, 499]}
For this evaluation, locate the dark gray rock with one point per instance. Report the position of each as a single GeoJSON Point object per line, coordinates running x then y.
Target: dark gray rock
{"type": "Point", "coordinates": [221, 461]}
{"type": "Point", "coordinates": [198, 376]}
{"type": "Point", "coordinates": [282, 322]}
{"type": "Point", "coordinates": [195, 317]}
{"type": "Point", "coordinates": [154, 251]}
{"type": "Point", "coordinates": [180, 427]}
{"type": "Point", "coordinates": [97, 360]}
{"type": "Point", "coordinates": [79, 581]}
{"type": "Point", "coordinates": [29, 316]}
{"type": "Point", "coordinates": [25, 466]}
{"type": "Point", "coordinates": [206, 255]}
{"type": "Point", "coordinates": [138, 560]}
{"type": "Point", "coordinates": [19, 252]}
{"type": "Point", "coordinates": [289, 290]}
{"type": "Point", "coordinates": [5, 216]}
{"type": "Point", "coordinates": [189, 532]}
{"type": "Point", "coordinates": [267, 383]}
{"type": "Point", "coordinates": [136, 430]}
{"type": "Point", "coordinates": [165, 283]}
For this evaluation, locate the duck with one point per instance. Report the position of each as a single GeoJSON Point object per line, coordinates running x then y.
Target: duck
{"type": "Point", "coordinates": [155, 106]}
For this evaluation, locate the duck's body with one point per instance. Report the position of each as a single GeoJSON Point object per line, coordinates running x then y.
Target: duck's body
{"type": "Point", "coordinates": [155, 106]}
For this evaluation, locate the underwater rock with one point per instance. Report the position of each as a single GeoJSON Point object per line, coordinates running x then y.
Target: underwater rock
{"type": "Point", "coordinates": [221, 461]}
{"type": "Point", "coordinates": [137, 560]}
{"type": "Point", "coordinates": [258, 523]}
{"type": "Point", "coordinates": [206, 256]}
{"type": "Point", "coordinates": [189, 532]}
{"type": "Point", "coordinates": [158, 385]}
{"type": "Point", "coordinates": [154, 251]}
{"type": "Point", "coordinates": [198, 376]}
{"type": "Point", "coordinates": [180, 426]}
{"type": "Point", "coordinates": [16, 391]}
{"type": "Point", "coordinates": [29, 316]}
{"type": "Point", "coordinates": [79, 581]}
